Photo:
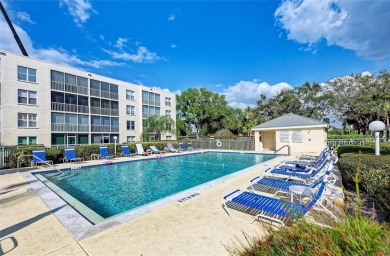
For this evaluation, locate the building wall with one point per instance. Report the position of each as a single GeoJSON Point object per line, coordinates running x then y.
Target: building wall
{"type": "Point", "coordinates": [10, 108]}
{"type": "Point", "coordinates": [313, 141]}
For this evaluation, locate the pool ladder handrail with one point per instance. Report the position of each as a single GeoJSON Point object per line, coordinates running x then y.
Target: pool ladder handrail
{"type": "Point", "coordinates": [45, 162]}
{"type": "Point", "coordinates": [289, 150]}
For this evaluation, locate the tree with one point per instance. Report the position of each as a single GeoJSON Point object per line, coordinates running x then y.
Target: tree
{"type": "Point", "coordinates": [286, 101]}
{"type": "Point", "coordinates": [202, 109]}
{"type": "Point", "coordinates": [314, 100]}
{"type": "Point", "coordinates": [360, 99]}
{"type": "Point", "coordinates": [156, 125]}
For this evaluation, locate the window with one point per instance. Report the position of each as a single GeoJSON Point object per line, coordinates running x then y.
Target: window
{"type": "Point", "coordinates": [27, 120]}
{"type": "Point", "coordinates": [130, 95]}
{"type": "Point", "coordinates": [168, 137]}
{"type": "Point", "coordinates": [150, 98]}
{"type": "Point", "coordinates": [167, 101]}
{"type": "Point", "coordinates": [130, 138]}
{"type": "Point", "coordinates": [168, 113]}
{"type": "Point", "coordinates": [168, 126]}
{"type": "Point", "coordinates": [130, 110]}
{"type": "Point", "coordinates": [27, 74]}
{"type": "Point", "coordinates": [27, 97]}
{"type": "Point", "coordinates": [27, 140]}
{"type": "Point", "coordinates": [131, 125]}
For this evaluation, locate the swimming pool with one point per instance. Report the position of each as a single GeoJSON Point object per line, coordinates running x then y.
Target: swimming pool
{"type": "Point", "coordinates": [109, 190]}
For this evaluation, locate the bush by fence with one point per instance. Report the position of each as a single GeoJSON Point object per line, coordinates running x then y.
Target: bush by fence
{"type": "Point", "coordinates": [375, 173]}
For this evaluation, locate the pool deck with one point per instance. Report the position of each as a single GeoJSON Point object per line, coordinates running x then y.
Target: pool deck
{"type": "Point", "coordinates": [195, 225]}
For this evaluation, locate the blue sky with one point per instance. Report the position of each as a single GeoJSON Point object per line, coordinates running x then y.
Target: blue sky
{"type": "Point", "coordinates": [240, 48]}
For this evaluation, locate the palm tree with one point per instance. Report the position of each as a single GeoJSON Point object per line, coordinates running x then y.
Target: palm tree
{"type": "Point", "coordinates": [156, 125]}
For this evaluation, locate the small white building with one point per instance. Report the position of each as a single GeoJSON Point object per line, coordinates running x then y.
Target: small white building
{"type": "Point", "coordinates": [302, 134]}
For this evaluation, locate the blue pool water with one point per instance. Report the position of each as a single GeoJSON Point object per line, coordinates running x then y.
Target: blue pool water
{"type": "Point", "coordinates": [112, 189]}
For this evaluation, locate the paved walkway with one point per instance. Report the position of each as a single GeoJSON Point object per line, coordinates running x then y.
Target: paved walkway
{"type": "Point", "coordinates": [197, 226]}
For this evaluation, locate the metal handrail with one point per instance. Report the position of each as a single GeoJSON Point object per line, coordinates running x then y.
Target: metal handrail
{"type": "Point", "coordinates": [17, 166]}
{"type": "Point", "coordinates": [289, 150]}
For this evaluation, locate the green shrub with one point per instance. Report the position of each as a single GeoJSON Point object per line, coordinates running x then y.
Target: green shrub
{"type": "Point", "coordinates": [224, 134]}
{"type": "Point", "coordinates": [377, 184]}
{"type": "Point", "coordinates": [350, 236]}
{"type": "Point", "coordinates": [368, 149]}
{"type": "Point", "coordinates": [347, 165]}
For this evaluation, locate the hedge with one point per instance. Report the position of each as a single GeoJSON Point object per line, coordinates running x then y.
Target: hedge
{"type": "Point", "coordinates": [84, 151]}
{"type": "Point", "coordinates": [375, 173]}
{"type": "Point", "coordinates": [369, 148]}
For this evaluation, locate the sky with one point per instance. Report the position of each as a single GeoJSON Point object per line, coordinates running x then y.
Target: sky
{"type": "Point", "coordinates": [239, 48]}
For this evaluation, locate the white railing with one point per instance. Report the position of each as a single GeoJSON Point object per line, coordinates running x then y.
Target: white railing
{"type": "Point", "coordinates": [95, 92]}
{"type": "Point", "coordinates": [346, 142]}
{"type": "Point", "coordinates": [57, 106]}
{"type": "Point", "coordinates": [4, 154]}
{"type": "Point", "coordinates": [114, 95]}
{"type": "Point", "coordinates": [64, 127]}
{"type": "Point", "coordinates": [57, 86]}
{"type": "Point", "coordinates": [104, 128]}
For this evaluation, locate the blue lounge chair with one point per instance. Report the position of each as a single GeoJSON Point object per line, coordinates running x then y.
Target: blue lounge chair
{"type": "Point", "coordinates": [276, 172]}
{"type": "Point", "coordinates": [315, 158]}
{"type": "Point", "coordinates": [304, 164]}
{"type": "Point", "coordinates": [182, 147]}
{"type": "Point", "coordinates": [156, 150]}
{"type": "Point", "coordinates": [280, 186]}
{"type": "Point", "coordinates": [126, 151]}
{"type": "Point", "coordinates": [104, 153]}
{"type": "Point", "coordinates": [70, 155]}
{"type": "Point", "coordinates": [140, 151]}
{"type": "Point", "coordinates": [190, 147]}
{"type": "Point", "coordinates": [39, 157]}
{"type": "Point", "coordinates": [271, 208]}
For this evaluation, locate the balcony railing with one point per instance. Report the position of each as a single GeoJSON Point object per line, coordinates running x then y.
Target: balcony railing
{"type": "Point", "coordinates": [114, 95]}
{"type": "Point", "coordinates": [104, 111]}
{"type": "Point", "coordinates": [95, 92]}
{"type": "Point", "coordinates": [69, 128]}
{"type": "Point", "coordinates": [57, 106]}
{"type": "Point", "coordinates": [69, 88]}
{"type": "Point", "coordinates": [104, 128]}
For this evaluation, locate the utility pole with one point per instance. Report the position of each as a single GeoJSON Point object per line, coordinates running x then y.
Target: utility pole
{"type": "Point", "coordinates": [18, 41]}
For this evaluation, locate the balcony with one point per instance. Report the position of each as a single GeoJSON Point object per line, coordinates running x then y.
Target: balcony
{"type": "Point", "coordinates": [104, 128]}
{"type": "Point", "coordinates": [64, 127]}
{"type": "Point", "coordinates": [69, 88]}
{"type": "Point", "coordinates": [104, 111]}
{"type": "Point", "coordinates": [114, 96]}
{"type": "Point", "coordinates": [95, 92]}
{"type": "Point", "coordinates": [57, 106]}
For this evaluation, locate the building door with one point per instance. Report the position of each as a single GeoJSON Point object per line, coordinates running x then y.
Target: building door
{"type": "Point", "coordinates": [71, 140]}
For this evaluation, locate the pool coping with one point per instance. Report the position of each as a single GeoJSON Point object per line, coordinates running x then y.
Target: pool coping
{"type": "Point", "coordinates": [81, 228]}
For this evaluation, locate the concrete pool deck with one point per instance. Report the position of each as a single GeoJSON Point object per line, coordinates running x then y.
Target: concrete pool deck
{"type": "Point", "coordinates": [195, 226]}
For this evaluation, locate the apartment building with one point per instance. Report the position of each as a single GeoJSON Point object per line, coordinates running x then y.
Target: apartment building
{"type": "Point", "coordinates": [50, 104]}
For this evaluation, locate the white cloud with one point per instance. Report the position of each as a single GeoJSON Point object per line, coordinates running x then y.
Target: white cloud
{"type": "Point", "coordinates": [246, 93]}
{"type": "Point", "coordinates": [24, 16]}
{"type": "Point", "coordinates": [80, 10]}
{"type": "Point", "coordinates": [360, 26]}
{"type": "Point", "coordinates": [120, 43]}
{"type": "Point", "coordinates": [102, 37]}
{"type": "Point", "coordinates": [60, 56]}
{"type": "Point", "coordinates": [171, 17]}
{"type": "Point", "coordinates": [143, 55]}
{"type": "Point", "coordinates": [173, 46]}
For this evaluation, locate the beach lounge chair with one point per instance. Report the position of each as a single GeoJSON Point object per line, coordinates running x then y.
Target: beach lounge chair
{"type": "Point", "coordinates": [171, 148]}
{"type": "Point", "coordinates": [286, 173]}
{"type": "Point", "coordinates": [315, 158]}
{"type": "Point", "coordinates": [104, 153]}
{"type": "Point", "coordinates": [271, 208]}
{"type": "Point", "coordinates": [280, 186]}
{"type": "Point", "coordinates": [181, 146]}
{"type": "Point", "coordinates": [156, 150]}
{"type": "Point", "coordinates": [190, 147]}
{"type": "Point", "coordinates": [310, 163]}
{"type": "Point", "coordinates": [140, 151]}
{"type": "Point", "coordinates": [70, 155]}
{"type": "Point", "coordinates": [39, 157]}
{"type": "Point", "coordinates": [126, 151]}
